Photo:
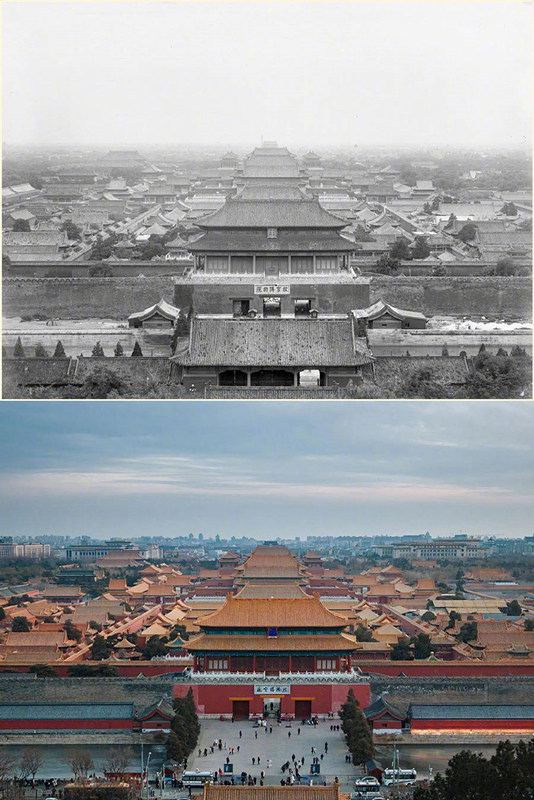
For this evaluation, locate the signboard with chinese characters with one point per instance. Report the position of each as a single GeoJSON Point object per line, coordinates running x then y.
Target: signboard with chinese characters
{"type": "Point", "coordinates": [272, 288]}
{"type": "Point", "coordinates": [272, 688]}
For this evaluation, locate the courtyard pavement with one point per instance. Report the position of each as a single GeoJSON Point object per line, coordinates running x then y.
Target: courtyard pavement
{"type": "Point", "coordinates": [278, 747]}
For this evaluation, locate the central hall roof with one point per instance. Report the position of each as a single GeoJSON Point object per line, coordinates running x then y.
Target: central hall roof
{"type": "Point", "coordinates": [276, 342]}
{"type": "Point", "coordinates": [302, 612]}
{"type": "Point", "coordinates": [286, 241]}
{"type": "Point", "coordinates": [278, 644]}
{"type": "Point", "coordinates": [299, 213]}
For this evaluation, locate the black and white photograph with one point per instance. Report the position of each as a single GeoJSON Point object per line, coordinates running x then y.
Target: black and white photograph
{"type": "Point", "coordinates": [267, 200]}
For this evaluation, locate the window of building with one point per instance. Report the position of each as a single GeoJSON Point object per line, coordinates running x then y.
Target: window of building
{"type": "Point", "coordinates": [217, 264]}
{"type": "Point", "coordinates": [301, 265]}
{"type": "Point", "coordinates": [324, 264]}
{"type": "Point", "coordinates": [272, 233]}
{"type": "Point", "coordinates": [326, 664]}
{"type": "Point", "coordinates": [242, 265]}
{"type": "Point", "coordinates": [240, 308]}
{"type": "Point", "coordinates": [216, 664]}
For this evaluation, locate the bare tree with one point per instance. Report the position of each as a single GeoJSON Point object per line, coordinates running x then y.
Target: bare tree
{"type": "Point", "coordinates": [7, 765]}
{"type": "Point", "coordinates": [80, 764]}
{"type": "Point", "coordinates": [30, 762]}
{"type": "Point", "coordinates": [118, 760]}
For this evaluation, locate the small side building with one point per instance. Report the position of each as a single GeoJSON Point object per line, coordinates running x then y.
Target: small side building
{"type": "Point", "coordinates": [384, 717]}
{"type": "Point", "coordinates": [383, 315]}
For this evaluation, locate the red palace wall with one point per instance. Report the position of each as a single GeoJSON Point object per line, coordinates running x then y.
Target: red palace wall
{"type": "Point", "coordinates": [66, 724]}
{"type": "Point", "coordinates": [501, 725]}
{"type": "Point", "coordinates": [218, 699]}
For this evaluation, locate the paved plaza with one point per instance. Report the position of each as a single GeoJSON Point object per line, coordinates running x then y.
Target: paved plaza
{"type": "Point", "coordinates": [278, 747]}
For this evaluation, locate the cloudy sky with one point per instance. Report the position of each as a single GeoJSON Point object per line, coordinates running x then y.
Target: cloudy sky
{"type": "Point", "coordinates": [326, 72]}
{"type": "Point", "coordinates": [266, 469]}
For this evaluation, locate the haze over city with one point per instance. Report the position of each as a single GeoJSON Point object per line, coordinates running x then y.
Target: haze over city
{"type": "Point", "coordinates": [266, 469]}
{"type": "Point", "coordinates": [336, 73]}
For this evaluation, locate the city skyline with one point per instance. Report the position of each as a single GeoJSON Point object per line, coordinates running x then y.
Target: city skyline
{"type": "Point", "coordinates": [445, 73]}
{"type": "Point", "coordinates": [266, 469]}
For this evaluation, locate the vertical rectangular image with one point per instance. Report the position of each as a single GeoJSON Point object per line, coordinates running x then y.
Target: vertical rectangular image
{"type": "Point", "coordinates": [253, 205]}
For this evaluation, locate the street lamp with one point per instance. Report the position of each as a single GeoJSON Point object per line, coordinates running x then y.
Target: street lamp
{"type": "Point", "coordinates": [147, 781]}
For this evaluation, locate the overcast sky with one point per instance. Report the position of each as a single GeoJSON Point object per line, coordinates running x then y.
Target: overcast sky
{"type": "Point", "coordinates": [324, 72]}
{"type": "Point", "coordinates": [266, 469]}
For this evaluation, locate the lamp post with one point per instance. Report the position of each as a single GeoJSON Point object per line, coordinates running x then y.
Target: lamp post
{"type": "Point", "coordinates": [147, 781]}
{"type": "Point", "coordinates": [142, 768]}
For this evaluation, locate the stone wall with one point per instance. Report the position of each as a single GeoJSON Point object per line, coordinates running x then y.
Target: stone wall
{"type": "Point", "coordinates": [403, 691]}
{"type": "Point", "coordinates": [83, 298]}
{"type": "Point", "coordinates": [141, 691]}
{"type": "Point", "coordinates": [491, 296]}
{"type": "Point", "coordinates": [144, 691]}
{"type": "Point", "coordinates": [117, 298]}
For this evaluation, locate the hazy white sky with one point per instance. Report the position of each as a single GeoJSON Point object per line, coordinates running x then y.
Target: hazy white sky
{"type": "Point", "coordinates": [324, 72]}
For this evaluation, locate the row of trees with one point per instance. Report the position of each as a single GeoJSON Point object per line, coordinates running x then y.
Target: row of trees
{"type": "Point", "coordinates": [59, 352]}
{"type": "Point", "coordinates": [358, 731]}
{"type": "Point", "coordinates": [507, 775]}
{"type": "Point", "coordinates": [185, 729]}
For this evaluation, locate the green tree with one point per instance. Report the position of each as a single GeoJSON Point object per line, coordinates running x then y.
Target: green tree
{"type": "Point", "coordinates": [421, 248]}
{"type": "Point", "coordinates": [509, 209]}
{"type": "Point", "coordinates": [428, 616]}
{"type": "Point", "coordinates": [2, 614]}
{"type": "Point", "coordinates": [468, 632]}
{"type": "Point", "coordinates": [498, 377]}
{"type": "Point", "coordinates": [72, 230]}
{"type": "Point", "coordinates": [529, 624]}
{"type": "Point", "coordinates": [154, 648]}
{"type": "Point", "coordinates": [357, 730]}
{"type": "Point", "coordinates": [513, 609]}
{"type": "Point", "coordinates": [422, 646]}
{"type": "Point", "coordinates": [18, 350]}
{"type": "Point", "coordinates": [454, 616]}
{"type": "Point", "coordinates": [21, 226]}
{"type": "Point", "coordinates": [400, 250]}
{"type": "Point", "coordinates": [137, 352]}
{"type": "Point", "coordinates": [185, 728]}
{"type": "Point", "coordinates": [42, 670]}
{"type": "Point", "coordinates": [103, 382]}
{"type": "Point", "coordinates": [21, 625]}
{"type": "Point", "coordinates": [422, 383]}
{"type": "Point", "coordinates": [362, 235]}
{"type": "Point", "coordinates": [72, 631]}
{"type": "Point", "coordinates": [363, 634]}
{"type": "Point", "coordinates": [40, 351]}
{"type": "Point", "coordinates": [468, 232]}
{"type": "Point", "coordinates": [59, 352]}
{"type": "Point", "coordinates": [98, 351]}
{"type": "Point", "coordinates": [402, 651]}
{"type": "Point", "coordinates": [118, 352]}
{"type": "Point", "coordinates": [100, 649]}
{"type": "Point", "coordinates": [506, 267]}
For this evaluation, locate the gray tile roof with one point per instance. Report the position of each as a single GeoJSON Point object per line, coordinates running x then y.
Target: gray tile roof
{"type": "Point", "coordinates": [471, 711]}
{"type": "Point", "coordinates": [274, 342]}
{"type": "Point", "coordinates": [300, 213]}
{"type": "Point", "coordinates": [68, 711]}
{"type": "Point", "coordinates": [286, 241]}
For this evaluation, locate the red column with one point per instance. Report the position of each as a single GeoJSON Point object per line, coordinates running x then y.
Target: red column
{"type": "Point", "coordinates": [291, 663]}
{"type": "Point", "coordinates": [254, 663]}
